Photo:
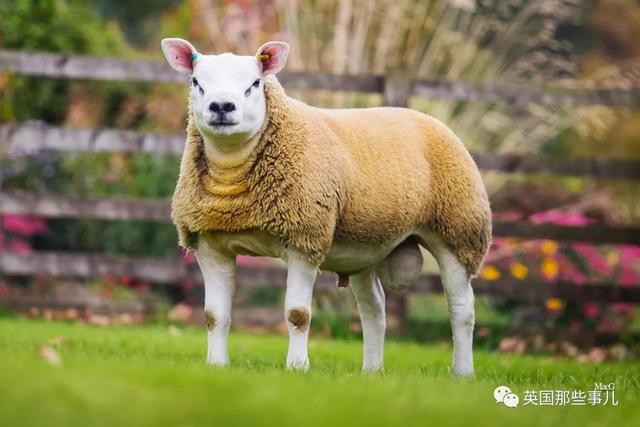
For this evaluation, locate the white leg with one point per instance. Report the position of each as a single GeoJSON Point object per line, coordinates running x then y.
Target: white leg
{"type": "Point", "coordinates": [369, 295]}
{"type": "Point", "coordinates": [460, 301]}
{"type": "Point", "coordinates": [301, 275]}
{"type": "Point", "coordinates": [218, 271]}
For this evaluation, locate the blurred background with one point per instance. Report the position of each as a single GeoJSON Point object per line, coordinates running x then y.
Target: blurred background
{"type": "Point", "coordinates": [544, 93]}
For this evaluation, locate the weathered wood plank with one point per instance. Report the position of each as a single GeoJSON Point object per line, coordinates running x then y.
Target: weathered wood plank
{"type": "Point", "coordinates": [57, 206]}
{"type": "Point", "coordinates": [25, 138]}
{"type": "Point", "coordinates": [89, 266]}
{"type": "Point", "coordinates": [83, 67]}
{"type": "Point", "coordinates": [462, 91]}
{"type": "Point", "coordinates": [538, 291]}
{"type": "Point", "coordinates": [576, 166]}
{"type": "Point", "coordinates": [588, 233]}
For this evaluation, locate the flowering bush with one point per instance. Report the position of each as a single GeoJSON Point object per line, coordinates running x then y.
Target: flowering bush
{"type": "Point", "coordinates": [15, 231]}
{"type": "Point", "coordinates": [546, 262]}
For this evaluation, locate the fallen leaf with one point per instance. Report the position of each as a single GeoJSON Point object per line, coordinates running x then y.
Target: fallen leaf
{"type": "Point", "coordinates": [174, 331]}
{"type": "Point", "coordinates": [50, 355]}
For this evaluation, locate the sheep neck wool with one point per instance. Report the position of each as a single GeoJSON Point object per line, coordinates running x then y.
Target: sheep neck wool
{"type": "Point", "coordinates": [262, 193]}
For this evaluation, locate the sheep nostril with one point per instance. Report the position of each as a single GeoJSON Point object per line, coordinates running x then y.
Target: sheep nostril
{"type": "Point", "coordinates": [228, 107]}
{"type": "Point", "coordinates": [215, 107]}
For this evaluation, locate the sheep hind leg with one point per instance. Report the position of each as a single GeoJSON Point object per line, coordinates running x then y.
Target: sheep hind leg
{"type": "Point", "coordinates": [460, 301]}
{"type": "Point", "coordinates": [370, 297]}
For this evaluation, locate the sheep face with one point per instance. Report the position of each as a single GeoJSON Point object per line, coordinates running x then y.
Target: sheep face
{"type": "Point", "coordinates": [227, 90]}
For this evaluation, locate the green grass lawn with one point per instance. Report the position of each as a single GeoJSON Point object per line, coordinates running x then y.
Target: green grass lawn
{"type": "Point", "coordinates": [145, 376]}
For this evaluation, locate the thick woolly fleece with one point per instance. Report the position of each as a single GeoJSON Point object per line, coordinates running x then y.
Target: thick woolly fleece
{"type": "Point", "coordinates": [366, 175]}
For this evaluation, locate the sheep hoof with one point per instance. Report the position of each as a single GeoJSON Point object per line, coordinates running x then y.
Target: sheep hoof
{"type": "Point", "coordinates": [463, 372]}
{"type": "Point", "coordinates": [298, 365]}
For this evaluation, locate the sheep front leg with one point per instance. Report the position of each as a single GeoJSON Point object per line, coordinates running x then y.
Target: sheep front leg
{"type": "Point", "coordinates": [301, 275]}
{"type": "Point", "coordinates": [370, 297]}
{"type": "Point", "coordinates": [218, 271]}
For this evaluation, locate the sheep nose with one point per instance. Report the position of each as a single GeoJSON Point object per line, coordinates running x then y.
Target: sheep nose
{"type": "Point", "coordinates": [225, 107]}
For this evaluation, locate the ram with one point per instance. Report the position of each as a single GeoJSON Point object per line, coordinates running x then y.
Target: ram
{"type": "Point", "coordinates": [353, 191]}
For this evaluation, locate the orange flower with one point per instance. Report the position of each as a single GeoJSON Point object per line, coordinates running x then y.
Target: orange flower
{"type": "Point", "coordinates": [613, 258]}
{"type": "Point", "coordinates": [548, 247]}
{"type": "Point", "coordinates": [519, 270]}
{"type": "Point", "coordinates": [489, 272]}
{"type": "Point", "coordinates": [554, 304]}
{"type": "Point", "coordinates": [549, 268]}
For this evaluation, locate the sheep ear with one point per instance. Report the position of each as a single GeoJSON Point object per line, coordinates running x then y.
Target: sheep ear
{"type": "Point", "coordinates": [180, 54]}
{"type": "Point", "coordinates": [272, 56]}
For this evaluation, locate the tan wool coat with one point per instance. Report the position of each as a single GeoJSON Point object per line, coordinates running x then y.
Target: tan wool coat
{"type": "Point", "coordinates": [366, 175]}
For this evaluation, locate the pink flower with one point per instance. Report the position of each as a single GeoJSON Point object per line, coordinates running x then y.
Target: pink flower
{"type": "Point", "coordinates": [561, 218]}
{"type": "Point", "coordinates": [595, 262]}
{"type": "Point", "coordinates": [246, 260]}
{"type": "Point", "coordinates": [575, 326]}
{"type": "Point", "coordinates": [187, 257]}
{"type": "Point", "coordinates": [24, 224]}
{"type": "Point", "coordinates": [622, 308]}
{"type": "Point", "coordinates": [591, 310]}
{"type": "Point", "coordinates": [20, 247]}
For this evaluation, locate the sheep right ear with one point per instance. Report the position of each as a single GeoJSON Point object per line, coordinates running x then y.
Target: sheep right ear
{"type": "Point", "coordinates": [180, 54]}
{"type": "Point", "coordinates": [272, 56]}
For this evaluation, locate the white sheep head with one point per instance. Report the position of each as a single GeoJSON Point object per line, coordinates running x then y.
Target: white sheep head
{"type": "Point", "coordinates": [227, 90]}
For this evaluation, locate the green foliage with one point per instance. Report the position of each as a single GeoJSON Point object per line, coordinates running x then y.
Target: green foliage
{"type": "Point", "coordinates": [146, 376]}
{"type": "Point", "coordinates": [265, 296]}
{"type": "Point", "coordinates": [65, 26]}
{"type": "Point", "coordinates": [138, 19]}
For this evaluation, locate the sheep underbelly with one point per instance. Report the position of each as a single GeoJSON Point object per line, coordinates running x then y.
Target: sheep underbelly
{"type": "Point", "coordinates": [352, 257]}
{"type": "Point", "coordinates": [343, 257]}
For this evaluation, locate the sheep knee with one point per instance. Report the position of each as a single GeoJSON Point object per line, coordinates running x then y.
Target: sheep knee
{"type": "Point", "coordinates": [216, 319]}
{"type": "Point", "coordinates": [209, 319]}
{"type": "Point", "coordinates": [298, 318]}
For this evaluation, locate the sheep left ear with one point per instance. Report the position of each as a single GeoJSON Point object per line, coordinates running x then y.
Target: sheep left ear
{"type": "Point", "coordinates": [180, 54]}
{"type": "Point", "coordinates": [272, 56]}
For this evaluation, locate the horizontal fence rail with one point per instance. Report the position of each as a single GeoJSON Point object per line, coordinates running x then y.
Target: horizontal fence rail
{"type": "Point", "coordinates": [26, 138]}
{"type": "Point", "coordinates": [86, 266]}
{"type": "Point", "coordinates": [50, 206]}
{"type": "Point", "coordinates": [83, 67]}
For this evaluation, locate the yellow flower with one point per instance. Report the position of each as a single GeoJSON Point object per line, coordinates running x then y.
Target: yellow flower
{"type": "Point", "coordinates": [519, 270]}
{"type": "Point", "coordinates": [549, 267]}
{"type": "Point", "coordinates": [548, 247]}
{"type": "Point", "coordinates": [613, 258]}
{"type": "Point", "coordinates": [489, 272]}
{"type": "Point", "coordinates": [554, 304]}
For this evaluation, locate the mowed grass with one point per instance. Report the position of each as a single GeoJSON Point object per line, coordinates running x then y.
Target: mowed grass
{"type": "Point", "coordinates": [143, 376]}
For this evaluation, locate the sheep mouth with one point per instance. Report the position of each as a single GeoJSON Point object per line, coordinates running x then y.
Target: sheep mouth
{"type": "Point", "coordinates": [219, 124]}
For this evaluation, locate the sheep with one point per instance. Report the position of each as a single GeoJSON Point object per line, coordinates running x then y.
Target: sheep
{"type": "Point", "coordinates": [352, 191]}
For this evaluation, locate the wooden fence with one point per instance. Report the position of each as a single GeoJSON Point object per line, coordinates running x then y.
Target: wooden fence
{"type": "Point", "coordinates": [18, 139]}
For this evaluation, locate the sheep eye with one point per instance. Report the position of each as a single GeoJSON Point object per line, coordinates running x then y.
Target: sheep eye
{"type": "Point", "coordinates": [196, 84]}
{"type": "Point", "coordinates": [248, 91]}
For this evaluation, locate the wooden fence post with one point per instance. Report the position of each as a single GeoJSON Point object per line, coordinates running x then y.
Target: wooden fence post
{"type": "Point", "coordinates": [397, 89]}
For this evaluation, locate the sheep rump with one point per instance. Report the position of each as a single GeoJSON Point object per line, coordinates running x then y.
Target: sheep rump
{"type": "Point", "coordinates": [365, 175]}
